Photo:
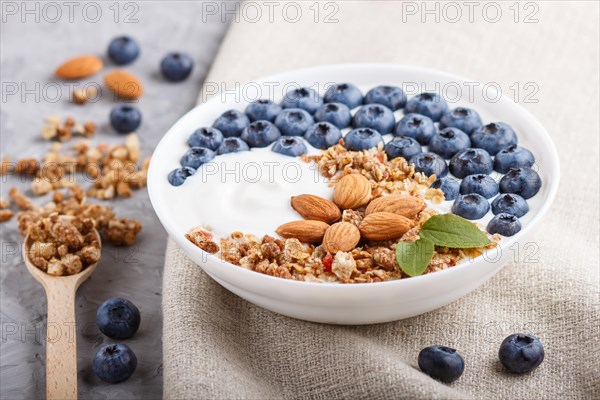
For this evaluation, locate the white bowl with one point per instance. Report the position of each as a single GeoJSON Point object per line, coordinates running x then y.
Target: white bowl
{"type": "Point", "coordinates": [369, 302]}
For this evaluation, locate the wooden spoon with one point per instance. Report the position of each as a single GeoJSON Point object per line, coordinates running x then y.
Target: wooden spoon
{"type": "Point", "coordinates": [61, 330]}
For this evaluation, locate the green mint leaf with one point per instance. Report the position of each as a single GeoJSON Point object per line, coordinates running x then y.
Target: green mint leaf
{"type": "Point", "coordinates": [450, 230]}
{"type": "Point", "coordinates": [413, 257]}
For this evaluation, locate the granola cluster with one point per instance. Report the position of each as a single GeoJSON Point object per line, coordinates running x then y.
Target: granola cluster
{"type": "Point", "coordinates": [54, 130]}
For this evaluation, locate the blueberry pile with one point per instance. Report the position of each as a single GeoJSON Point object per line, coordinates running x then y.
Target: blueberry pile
{"type": "Point", "coordinates": [456, 142]}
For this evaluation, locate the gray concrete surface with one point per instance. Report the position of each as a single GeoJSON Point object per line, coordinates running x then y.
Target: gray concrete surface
{"type": "Point", "coordinates": [33, 43]}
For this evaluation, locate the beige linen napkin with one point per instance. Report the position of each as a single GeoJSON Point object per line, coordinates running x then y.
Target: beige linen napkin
{"type": "Point", "coordinates": [219, 346]}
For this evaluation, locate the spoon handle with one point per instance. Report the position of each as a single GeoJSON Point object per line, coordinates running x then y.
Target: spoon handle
{"type": "Point", "coordinates": [61, 342]}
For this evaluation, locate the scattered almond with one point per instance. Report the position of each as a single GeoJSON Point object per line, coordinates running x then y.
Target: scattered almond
{"type": "Point", "coordinates": [307, 231]}
{"type": "Point", "coordinates": [124, 84]}
{"type": "Point", "coordinates": [342, 236]}
{"type": "Point", "coordinates": [79, 67]}
{"type": "Point", "coordinates": [407, 206]}
{"type": "Point", "coordinates": [317, 208]}
{"type": "Point", "coordinates": [384, 226]}
{"type": "Point", "coordinates": [352, 191]}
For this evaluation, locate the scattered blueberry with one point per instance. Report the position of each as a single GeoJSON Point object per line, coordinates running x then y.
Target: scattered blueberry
{"type": "Point", "coordinates": [179, 175]}
{"type": "Point", "coordinates": [265, 110]}
{"type": "Point", "coordinates": [260, 134]}
{"type": "Point", "coordinates": [323, 135]}
{"type": "Point", "coordinates": [294, 121]}
{"type": "Point", "coordinates": [448, 142]}
{"type": "Point", "coordinates": [494, 137]}
{"type": "Point", "coordinates": [522, 181]}
{"type": "Point", "coordinates": [465, 119]}
{"type": "Point", "coordinates": [431, 105]}
{"type": "Point", "coordinates": [304, 98]}
{"type": "Point", "coordinates": [512, 156]}
{"type": "Point", "coordinates": [450, 187]}
{"type": "Point", "coordinates": [504, 224]}
{"type": "Point", "coordinates": [345, 93]}
{"type": "Point", "coordinates": [429, 164]}
{"type": "Point", "coordinates": [231, 123]}
{"type": "Point", "coordinates": [211, 138]}
{"type": "Point", "coordinates": [521, 353]}
{"type": "Point", "coordinates": [374, 116]}
{"type": "Point", "coordinates": [510, 204]}
{"type": "Point", "coordinates": [232, 145]}
{"type": "Point", "coordinates": [416, 126]}
{"type": "Point", "coordinates": [470, 162]}
{"type": "Point", "coordinates": [125, 118]}
{"type": "Point", "coordinates": [118, 318]}
{"type": "Point", "coordinates": [291, 146]}
{"type": "Point", "coordinates": [114, 362]}
{"type": "Point", "coordinates": [336, 113]}
{"type": "Point", "coordinates": [441, 363]}
{"type": "Point", "coordinates": [196, 156]}
{"type": "Point", "coordinates": [176, 67]}
{"type": "Point", "coordinates": [123, 50]}
{"type": "Point", "coordinates": [362, 139]}
{"type": "Point", "coordinates": [471, 206]}
{"type": "Point", "coordinates": [392, 97]}
{"type": "Point", "coordinates": [404, 147]}
{"type": "Point", "coordinates": [481, 184]}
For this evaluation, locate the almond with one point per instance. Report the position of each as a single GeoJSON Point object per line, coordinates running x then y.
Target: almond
{"type": "Point", "coordinates": [315, 207]}
{"type": "Point", "coordinates": [384, 226]}
{"type": "Point", "coordinates": [342, 236]}
{"type": "Point", "coordinates": [407, 206]}
{"type": "Point", "coordinates": [124, 84]}
{"type": "Point", "coordinates": [79, 67]}
{"type": "Point", "coordinates": [352, 191]}
{"type": "Point", "coordinates": [306, 231]}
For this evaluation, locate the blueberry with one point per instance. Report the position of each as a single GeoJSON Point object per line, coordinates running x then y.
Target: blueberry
{"type": "Point", "coordinates": [118, 318]}
{"type": "Point", "coordinates": [123, 50]}
{"type": "Point", "coordinates": [176, 67]}
{"type": "Point", "coordinates": [521, 353]}
{"type": "Point", "coordinates": [494, 137]}
{"type": "Point", "coordinates": [125, 118]}
{"type": "Point", "coordinates": [362, 139]}
{"type": "Point", "coordinates": [429, 164]}
{"type": "Point", "coordinates": [504, 224]}
{"type": "Point", "coordinates": [210, 138]}
{"type": "Point", "coordinates": [266, 110]}
{"type": "Point", "coordinates": [392, 97]}
{"type": "Point", "coordinates": [345, 93]}
{"type": "Point", "coordinates": [510, 204]}
{"type": "Point", "coordinates": [294, 121]}
{"type": "Point", "coordinates": [304, 98]}
{"type": "Point", "coordinates": [260, 134]}
{"type": "Point", "coordinates": [404, 147]}
{"type": "Point", "coordinates": [179, 175]}
{"type": "Point", "coordinates": [471, 206]}
{"type": "Point", "coordinates": [196, 156]}
{"type": "Point", "coordinates": [465, 119]}
{"type": "Point", "coordinates": [374, 116]}
{"type": "Point", "coordinates": [114, 362]}
{"type": "Point", "coordinates": [449, 186]}
{"type": "Point", "coordinates": [231, 123]}
{"type": "Point", "coordinates": [416, 126]}
{"type": "Point", "coordinates": [512, 156]}
{"type": "Point", "coordinates": [522, 181]}
{"type": "Point", "coordinates": [291, 146]}
{"type": "Point", "coordinates": [323, 135]}
{"type": "Point", "coordinates": [441, 363]}
{"type": "Point", "coordinates": [336, 113]}
{"type": "Point", "coordinates": [471, 162]}
{"type": "Point", "coordinates": [481, 184]}
{"type": "Point", "coordinates": [232, 145]}
{"type": "Point", "coordinates": [448, 142]}
{"type": "Point", "coordinates": [431, 105]}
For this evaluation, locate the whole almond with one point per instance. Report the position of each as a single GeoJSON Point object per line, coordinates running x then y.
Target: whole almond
{"type": "Point", "coordinates": [306, 231]}
{"type": "Point", "coordinates": [352, 191]}
{"type": "Point", "coordinates": [124, 84]}
{"type": "Point", "coordinates": [384, 226]}
{"type": "Point", "coordinates": [342, 236]}
{"type": "Point", "coordinates": [407, 206]}
{"type": "Point", "coordinates": [79, 67]}
{"type": "Point", "coordinates": [316, 208]}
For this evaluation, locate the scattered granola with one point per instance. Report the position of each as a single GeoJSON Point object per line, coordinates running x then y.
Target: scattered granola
{"type": "Point", "coordinates": [69, 128]}
{"type": "Point", "coordinates": [81, 96]}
